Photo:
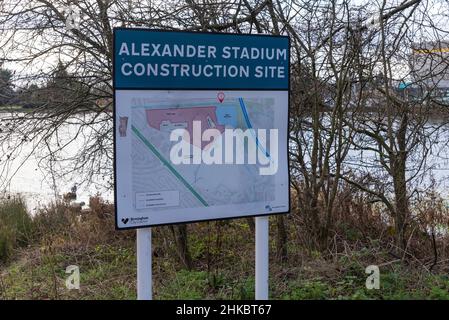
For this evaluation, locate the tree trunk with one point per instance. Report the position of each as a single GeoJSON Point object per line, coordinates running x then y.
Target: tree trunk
{"type": "Point", "coordinates": [251, 224]}
{"type": "Point", "coordinates": [281, 239]}
{"type": "Point", "coordinates": [308, 203]}
{"type": "Point", "coordinates": [182, 248]}
{"type": "Point", "coordinates": [400, 184]}
{"type": "Point", "coordinates": [401, 214]}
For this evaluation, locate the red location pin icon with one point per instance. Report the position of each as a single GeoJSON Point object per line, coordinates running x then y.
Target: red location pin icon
{"type": "Point", "coordinates": [220, 96]}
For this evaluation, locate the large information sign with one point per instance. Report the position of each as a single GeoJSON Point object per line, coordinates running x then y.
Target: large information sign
{"type": "Point", "coordinates": [200, 126]}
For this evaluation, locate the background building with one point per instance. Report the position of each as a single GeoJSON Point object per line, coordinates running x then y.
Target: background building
{"type": "Point", "coordinates": [429, 66]}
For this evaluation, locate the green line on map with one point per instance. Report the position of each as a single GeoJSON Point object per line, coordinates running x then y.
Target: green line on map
{"type": "Point", "coordinates": [168, 165]}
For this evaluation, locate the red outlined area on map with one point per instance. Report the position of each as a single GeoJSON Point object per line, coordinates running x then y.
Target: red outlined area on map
{"type": "Point", "coordinates": [183, 118]}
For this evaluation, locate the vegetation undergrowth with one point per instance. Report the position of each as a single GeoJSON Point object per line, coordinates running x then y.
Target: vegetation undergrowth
{"type": "Point", "coordinates": [39, 249]}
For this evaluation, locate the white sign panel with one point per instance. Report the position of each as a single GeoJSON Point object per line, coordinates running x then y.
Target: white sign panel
{"type": "Point", "coordinates": [194, 154]}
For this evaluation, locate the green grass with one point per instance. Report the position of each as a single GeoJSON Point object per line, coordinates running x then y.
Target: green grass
{"type": "Point", "coordinates": [195, 285]}
{"type": "Point", "coordinates": [39, 250]}
{"type": "Point", "coordinates": [109, 272]}
{"type": "Point", "coordinates": [394, 285]}
{"type": "Point", "coordinates": [106, 273]}
{"type": "Point", "coordinates": [189, 285]}
{"type": "Point", "coordinates": [15, 227]}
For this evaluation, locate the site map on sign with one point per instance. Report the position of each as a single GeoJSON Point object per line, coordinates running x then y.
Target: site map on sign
{"type": "Point", "coordinates": [158, 183]}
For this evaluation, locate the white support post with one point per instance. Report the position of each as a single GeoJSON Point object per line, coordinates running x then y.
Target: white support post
{"type": "Point", "coordinates": [262, 258]}
{"type": "Point", "coordinates": [144, 269]}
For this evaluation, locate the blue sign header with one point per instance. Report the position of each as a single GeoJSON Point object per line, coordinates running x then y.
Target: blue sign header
{"type": "Point", "coordinates": [147, 59]}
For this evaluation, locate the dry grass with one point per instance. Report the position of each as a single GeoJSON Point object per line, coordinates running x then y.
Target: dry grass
{"type": "Point", "coordinates": [223, 259]}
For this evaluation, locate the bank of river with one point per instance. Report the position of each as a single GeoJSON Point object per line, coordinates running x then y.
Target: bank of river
{"type": "Point", "coordinates": [32, 178]}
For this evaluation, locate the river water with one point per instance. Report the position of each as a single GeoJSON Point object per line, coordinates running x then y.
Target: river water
{"type": "Point", "coordinates": [31, 178]}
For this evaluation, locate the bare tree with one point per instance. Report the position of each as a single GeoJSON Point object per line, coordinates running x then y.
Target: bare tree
{"type": "Point", "coordinates": [392, 115]}
{"type": "Point", "coordinates": [64, 48]}
{"type": "Point", "coordinates": [362, 92]}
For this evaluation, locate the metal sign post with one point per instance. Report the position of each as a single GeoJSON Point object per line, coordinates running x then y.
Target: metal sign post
{"type": "Point", "coordinates": [262, 249]}
{"type": "Point", "coordinates": [144, 268]}
{"type": "Point", "coordinates": [144, 263]}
